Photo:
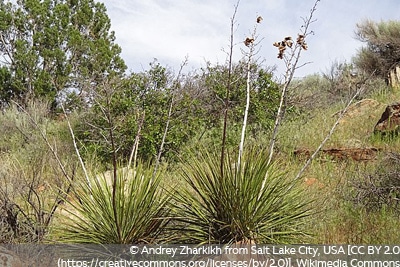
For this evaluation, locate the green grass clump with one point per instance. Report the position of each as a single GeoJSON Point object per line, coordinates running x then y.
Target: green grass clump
{"type": "Point", "coordinates": [135, 213]}
{"type": "Point", "coordinates": [237, 206]}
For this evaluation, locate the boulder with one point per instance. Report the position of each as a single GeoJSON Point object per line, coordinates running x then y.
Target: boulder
{"type": "Point", "coordinates": [389, 123]}
{"type": "Point", "coordinates": [363, 108]}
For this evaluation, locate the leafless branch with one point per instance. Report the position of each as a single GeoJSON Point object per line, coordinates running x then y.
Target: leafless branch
{"type": "Point", "coordinates": [290, 70]}
{"type": "Point", "coordinates": [170, 109]}
{"type": "Point", "coordinates": [291, 66]}
{"type": "Point", "coordinates": [228, 89]}
{"type": "Point", "coordinates": [135, 146]}
{"type": "Point", "coordinates": [76, 147]}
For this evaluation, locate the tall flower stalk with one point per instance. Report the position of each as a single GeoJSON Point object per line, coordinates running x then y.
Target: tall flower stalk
{"type": "Point", "coordinates": [250, 43]}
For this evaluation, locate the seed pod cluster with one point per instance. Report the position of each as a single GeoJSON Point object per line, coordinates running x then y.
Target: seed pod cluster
{"type": "Point", "coordinates": [300, 41]}
{"type": "Point", "coordinates": [248, 41]}
{"type": "Point", "coordinates": [287, 42]}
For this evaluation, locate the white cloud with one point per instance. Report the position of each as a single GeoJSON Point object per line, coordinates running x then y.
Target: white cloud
{"type": "Point", "coordinates": [167, 30]}
{"type": "Point", "coordinates": [171, 29]}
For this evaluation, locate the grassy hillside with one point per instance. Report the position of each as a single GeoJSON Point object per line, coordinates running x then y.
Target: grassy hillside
{"type": "Point", "coordinates": [352, 201]}
{"type": "Point", "coordinates": [346, 191]}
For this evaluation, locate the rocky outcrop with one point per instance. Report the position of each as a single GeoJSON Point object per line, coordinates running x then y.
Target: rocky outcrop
{"type": "Point", "coordinates": [357, 154]}
{"type": "Point", "coordinates": [365, 109]}
{"type": "Point", "coordinates": [389, 123]}
{"type": "Point", "coordinates": [394, 77]}
{"type": "Point", "coordinates": [360, 108]}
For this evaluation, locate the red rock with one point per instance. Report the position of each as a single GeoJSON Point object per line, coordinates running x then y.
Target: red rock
{"type": "Point", "coordinates": [389, 123]}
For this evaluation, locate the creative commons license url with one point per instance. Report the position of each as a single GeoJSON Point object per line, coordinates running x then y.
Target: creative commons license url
{"type": "Point", "coordinates": [96, 262]}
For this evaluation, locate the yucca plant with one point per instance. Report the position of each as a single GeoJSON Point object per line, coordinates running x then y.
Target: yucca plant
{"type": "Point", "coordinates": [236, 207]}
{"type": "Point", "coordinates": [139, 216]}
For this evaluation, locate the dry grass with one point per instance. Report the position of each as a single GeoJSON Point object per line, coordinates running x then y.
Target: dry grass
{"type": "Point", "coordinates": [331, 182]}
{"type": "Point", "coordinates": [30, 177]}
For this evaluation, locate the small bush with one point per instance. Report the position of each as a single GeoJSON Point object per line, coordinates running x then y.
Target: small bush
{"type": "Point", "coordinates": [381, 188]}
{"type": "Point", "coordinates": [30, 175]}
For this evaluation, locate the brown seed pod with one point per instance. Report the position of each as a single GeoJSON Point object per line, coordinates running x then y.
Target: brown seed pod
{"type": "Point", "coordinates": [289, 43]}
{"type": "Point", "coordinates": [300, 39]}
{"type": "Point", "coordinates": [248, 41]}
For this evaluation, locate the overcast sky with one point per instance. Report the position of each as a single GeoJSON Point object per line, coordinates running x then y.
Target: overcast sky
{"type": "Point", "coordinates": [169, 30]}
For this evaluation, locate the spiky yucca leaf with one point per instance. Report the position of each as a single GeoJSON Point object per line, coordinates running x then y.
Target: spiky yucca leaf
{"type": "Point", "coordinates": [235, 207]}
{"type": "Point", "coordinates": [141, 210]}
